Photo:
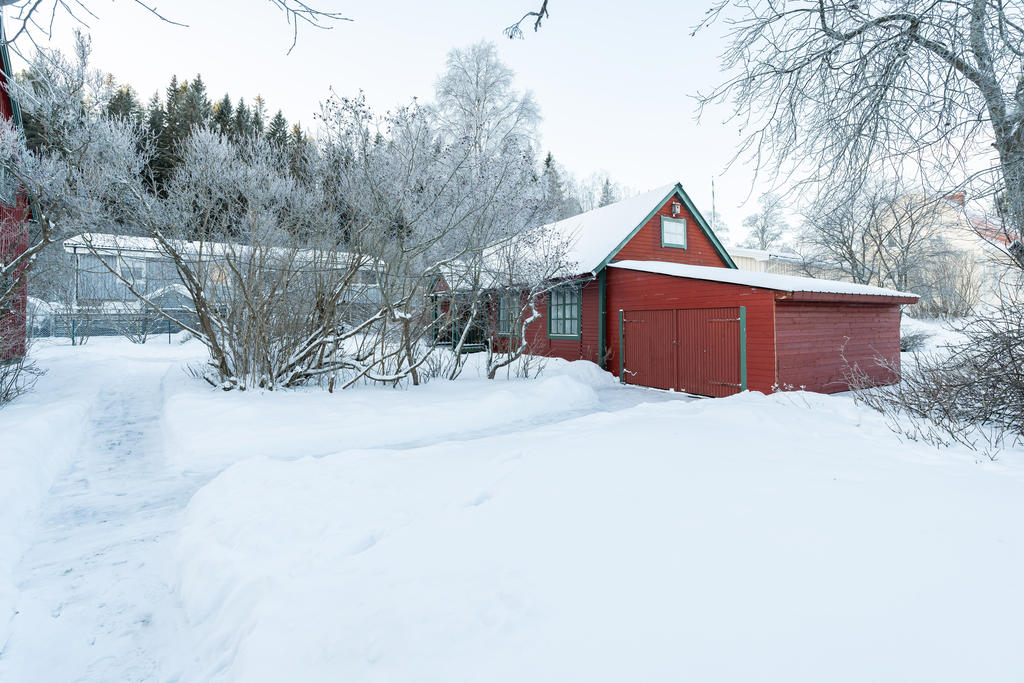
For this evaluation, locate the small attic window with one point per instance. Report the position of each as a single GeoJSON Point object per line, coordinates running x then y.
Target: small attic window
{"type": "Point", "coordinates": [677, 208]}
{"type": "Point", "coordinates": [673, 232]}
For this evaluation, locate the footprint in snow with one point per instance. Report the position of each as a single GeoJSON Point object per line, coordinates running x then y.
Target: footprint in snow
{"type": "Point", "coordinates": [479, 500]}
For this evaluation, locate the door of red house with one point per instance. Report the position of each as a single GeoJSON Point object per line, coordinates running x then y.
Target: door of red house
{"type": "Point", "coordinates": [649, 348]}
{"type": "Point", "coordinates": [697, 350]}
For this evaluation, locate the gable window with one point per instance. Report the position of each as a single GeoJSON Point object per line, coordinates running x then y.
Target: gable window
{"type": "Point", "coordinates": [507, 311]}
{"type": "Point", "coordinates": [673, 232]}
{"type": "Point", "coordinates": [564, 312]}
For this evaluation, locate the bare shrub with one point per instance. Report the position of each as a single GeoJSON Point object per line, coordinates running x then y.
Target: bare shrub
{"type": "Point", "coordinates": [531, 366]}
{"type": "Point", "coordinates": [17, 375]}
{"type": "Point", "coordinates": [972, 395]}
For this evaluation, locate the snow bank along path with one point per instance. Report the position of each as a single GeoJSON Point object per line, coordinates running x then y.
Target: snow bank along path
{"type": "Point", "coordinates": [123, 439]}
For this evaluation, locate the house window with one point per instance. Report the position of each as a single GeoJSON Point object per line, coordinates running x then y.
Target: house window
{"type": "Point", "coordinates": [507, 312]}
{"type": "Point", "coordinates": [673, 232]}
{"type": "Point", "coordinates": [564, 312]}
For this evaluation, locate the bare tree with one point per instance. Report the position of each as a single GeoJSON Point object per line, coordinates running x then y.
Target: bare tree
{"type": "Point", "coordinates": [34, 19]}
{"type": "Point", "coordinates": [523, 269]}
{"type": "Point", "coordinates": [514, 31]}
{"type": "Point", "coordinates": [861, 89]}
{"type": "Point", "coordinates": [766, 227]}
{"type": "Point", "coordinates": [889, 236]}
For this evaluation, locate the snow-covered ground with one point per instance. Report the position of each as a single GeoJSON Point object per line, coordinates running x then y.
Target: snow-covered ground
{"type": "Point", "coordinates": [564, 528]}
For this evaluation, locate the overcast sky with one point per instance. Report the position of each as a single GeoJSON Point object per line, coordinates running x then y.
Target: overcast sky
{"type": "Point", "coordinates": [614, 84]}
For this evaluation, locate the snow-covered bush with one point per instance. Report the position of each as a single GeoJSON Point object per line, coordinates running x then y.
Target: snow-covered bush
{"type": "Point", "coordinates": [297, 266]}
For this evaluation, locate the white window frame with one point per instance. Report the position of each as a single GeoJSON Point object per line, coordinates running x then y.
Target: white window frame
{"type": "Point", "coordinates": [665, 241]}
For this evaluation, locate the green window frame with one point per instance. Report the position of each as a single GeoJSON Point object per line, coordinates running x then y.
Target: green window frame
{"type": "Point", "coordinates": [673, 232]}
{"type": "Point", "coordinates": [564, 312]}
{"type": "Point", "coordinates": [505, 308]}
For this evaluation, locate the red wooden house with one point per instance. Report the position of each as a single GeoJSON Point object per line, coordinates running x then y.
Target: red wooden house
{"type": "Point", "coordinates": [13, 234]}
{"type": "Point", "coordinates": [656, 299]}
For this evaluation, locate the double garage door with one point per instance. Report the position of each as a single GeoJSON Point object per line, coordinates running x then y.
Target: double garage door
{"type": "Point", "coordinates": [695, 350]}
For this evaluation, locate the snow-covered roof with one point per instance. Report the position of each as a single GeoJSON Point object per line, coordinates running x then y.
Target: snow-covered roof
{"type": "Point", "coordinates": [593, 236]}
{"type": "Point", "coordinates": [105, 242]}
{"type": "Point", "coordinates": [109, 244]}
{"type": "Point", "coordinates": [781, 283]}
{"type": "Point", "coordinates": [763, 254]}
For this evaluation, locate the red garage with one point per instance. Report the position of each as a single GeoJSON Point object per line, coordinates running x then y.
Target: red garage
{"type": "Point", "coordinates": [715, 331]}
{"type": "Point", "coordinates": [655, 298]}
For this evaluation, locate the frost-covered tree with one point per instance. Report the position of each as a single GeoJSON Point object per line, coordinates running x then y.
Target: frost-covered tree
{"type": "Point", "coordinates": [311, 262]}
{"type": "Point", "coordinates": [476, 99]}
{"type": "Point", "coordinates": [608, 193]}
{"type": "Point", "coordinates": [719, 226]}
{"type": "Point", "coordinates": [84, 159]}
{"type": "Point", "coordinates": [766, 227]}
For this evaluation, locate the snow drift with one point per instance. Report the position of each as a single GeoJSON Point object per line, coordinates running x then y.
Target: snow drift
{"type": "Point", "coordinates": [786, 537]}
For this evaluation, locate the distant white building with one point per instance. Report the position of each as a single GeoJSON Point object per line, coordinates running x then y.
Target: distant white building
{"type": "Point", "coordinates": [767, 261]}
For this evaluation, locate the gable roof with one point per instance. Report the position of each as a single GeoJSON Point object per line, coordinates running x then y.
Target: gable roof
{"type": "Point", "coordinates": [596, 236]}
{"type": "Point", "coordinates": [780, 283]}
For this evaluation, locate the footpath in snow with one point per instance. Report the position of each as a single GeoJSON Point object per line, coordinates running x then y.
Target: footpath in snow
{"type": "Point", "coordinates": [101, 460]}
{"type": "Point", "coordinates": [95, 597]}
{"type": "Point", "coordinates": [564, 528]}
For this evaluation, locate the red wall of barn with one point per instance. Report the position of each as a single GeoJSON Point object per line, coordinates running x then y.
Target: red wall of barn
{"type": "Point", "coordinates": [584, 348]}
{"type": "Point", "coordinates": [631, 290]}
{"type": "Point", "coordinates": [646, 244]}
{"type": "Point", "coordinates": [811, 338]}
{"type": "Point", "coordinates": [13, 241]}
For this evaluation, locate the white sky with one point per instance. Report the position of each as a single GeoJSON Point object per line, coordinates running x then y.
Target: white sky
{"type": "Point", "coordinates": [614, 84]}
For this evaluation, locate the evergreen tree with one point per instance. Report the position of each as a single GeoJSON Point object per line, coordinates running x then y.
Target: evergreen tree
{"type": "Point", "coordinates": [297, 142]}
{"type": "Point", "coordinates": [259, 116]}
{"type": "Point", "coordinates": [558, 202]}
{"type": "Point", "coordinates": [155, 115]}
{"type": "Point", "coordinates": [242, 125]}
{"type": "Point", "coordinates": [124, 104]}
{"type": "Point", "coordinates": [173, 110]}
{"type": "Point", "coordinates": [195, 105]}
{"type": "Point", "coordinates": [223, 116]}
{"type": "Point", "coordinates": [171, 134]}
{"type": "Point", "coordinates": [277, 131]}
{"type": "Point", "coordinates": [608, 194]}
{"type": "Point", "coordinates": [156, 122]}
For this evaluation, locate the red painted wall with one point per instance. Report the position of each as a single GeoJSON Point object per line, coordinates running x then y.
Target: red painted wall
{"type": "Point", "coordinates": [789, 343]}
{"type": "Point", "coordinates": [631, 290]}
{"type": "Point", "coordinates": [811, 337]}
{"type": "Point", "coordinates": [584, 348]}
{"type": "Point", "coordinates": [13, 241]}
{"type": "Point", "coordinates": [646, 244]}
